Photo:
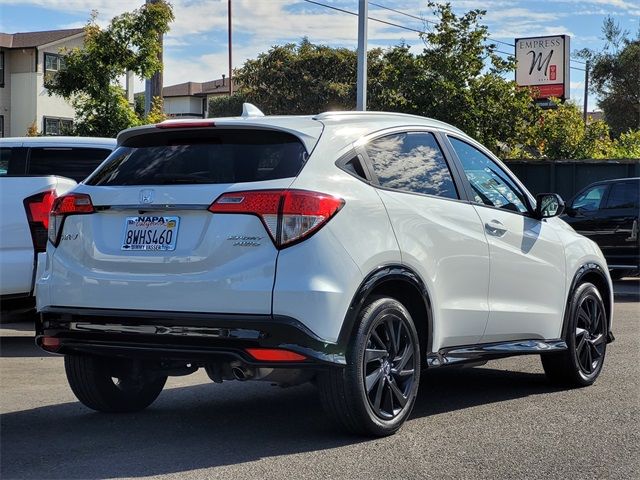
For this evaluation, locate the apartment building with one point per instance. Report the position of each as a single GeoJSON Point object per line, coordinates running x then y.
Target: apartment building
{"type": "Point", "coordinates": [25, 60]}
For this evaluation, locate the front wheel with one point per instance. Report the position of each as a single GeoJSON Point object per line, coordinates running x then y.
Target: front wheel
{"type": "Point", "coordinates": [100, 386]}
{"type": "Point", "coordinates": [586, 340]}
{"type": "Point", "coordinates": [375, 392]}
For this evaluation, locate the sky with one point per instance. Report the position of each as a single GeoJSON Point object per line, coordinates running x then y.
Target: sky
{"type": "Point", "coordinates": [196, 47]}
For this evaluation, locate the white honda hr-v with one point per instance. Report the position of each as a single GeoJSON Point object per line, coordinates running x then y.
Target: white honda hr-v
{"type": "Point", "coordinates": [350, 249]}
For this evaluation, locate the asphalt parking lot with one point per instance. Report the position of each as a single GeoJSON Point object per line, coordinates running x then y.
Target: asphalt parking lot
{"type": "Point", "coordinates": [501, 420]}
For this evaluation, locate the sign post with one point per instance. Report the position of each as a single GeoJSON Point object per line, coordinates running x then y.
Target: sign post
{"type": "Point", "coordinates": [542, 64]}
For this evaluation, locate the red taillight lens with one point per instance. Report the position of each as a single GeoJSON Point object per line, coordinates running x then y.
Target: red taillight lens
{"type": "Point", "coordinates": [289, 215]}
{"type": "Point", "coordinates": [275, 355]}
{"type": "Point", "coordinates": [38, 208]}
{"type": "Point", "coordinates": [72, 204]}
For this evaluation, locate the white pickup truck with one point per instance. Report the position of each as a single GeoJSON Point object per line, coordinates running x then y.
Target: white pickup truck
{"type": "Point", "coordinates": [33, 172]}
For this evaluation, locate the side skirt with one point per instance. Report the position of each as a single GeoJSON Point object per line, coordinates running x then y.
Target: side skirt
{"type": "Point", "coordinates": [490, 351]}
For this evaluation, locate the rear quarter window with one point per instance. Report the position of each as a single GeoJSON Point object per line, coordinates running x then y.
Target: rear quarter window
{"type": "Point", "coordinates": [187, 157]}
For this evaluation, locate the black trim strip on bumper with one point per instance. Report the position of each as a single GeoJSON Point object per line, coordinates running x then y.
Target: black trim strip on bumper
{"type": "Point", "coordinates": [181, 334]}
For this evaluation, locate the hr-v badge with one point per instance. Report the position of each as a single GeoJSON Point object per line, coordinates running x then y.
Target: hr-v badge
{"type": "Point", "coordinates": [146, 195]}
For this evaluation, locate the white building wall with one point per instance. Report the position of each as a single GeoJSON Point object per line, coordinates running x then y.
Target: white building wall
{"type": "Point", "coordinates": [23, 103]}
{"type": "Point", "coordinates": [52, 105]}
{"type": "Point", "coordinates": [183, 106]}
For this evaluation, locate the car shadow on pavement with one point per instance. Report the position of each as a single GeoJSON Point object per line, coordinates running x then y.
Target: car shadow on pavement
{"type": "Point", "coordinates": [208, 425]}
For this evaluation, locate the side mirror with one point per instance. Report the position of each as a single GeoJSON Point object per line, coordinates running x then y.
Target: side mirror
{"type": "Point", "coordinates": [548, 205]}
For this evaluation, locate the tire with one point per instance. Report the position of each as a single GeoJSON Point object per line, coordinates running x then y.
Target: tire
{"type": "Point", "coordinates": [92, 381]}
{"type": "Point", "coordinates": [391, 368]}
{"type": "Point", "coordinates": [586, 339]}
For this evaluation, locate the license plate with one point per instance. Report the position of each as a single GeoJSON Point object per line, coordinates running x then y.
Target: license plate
{"type": "Point", "coordinates": [150, 233]}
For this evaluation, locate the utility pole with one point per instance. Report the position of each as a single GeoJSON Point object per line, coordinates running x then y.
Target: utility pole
{"type": "Point", "coordinates": [230, 49]}
{"type": "Point", "coordinates": [586, 92]}
{"type": "Point", "coordinates": [363, 14]}
{"type": "Point", "coordinates": [153, 85]}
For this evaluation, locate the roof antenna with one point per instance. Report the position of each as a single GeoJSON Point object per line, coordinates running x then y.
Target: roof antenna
{"type": "Point", "coordinates": [250, 110]}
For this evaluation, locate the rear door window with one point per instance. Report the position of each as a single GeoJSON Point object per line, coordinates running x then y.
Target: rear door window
{"type": "Point", "coordinates": [623, 195]}
{"type": "Point", "coordinates": [71, 162]}
{"type": "Point", "coordinates": [230, 156]}
{"type": "Point", "coordinates": [411, 162]}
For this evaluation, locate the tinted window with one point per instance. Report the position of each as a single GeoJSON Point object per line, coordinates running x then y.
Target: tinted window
{"type": "Point", "coordinates": [624, 195]}
{"type": "Point", "coordinates": [490, 183]}
{"type": "Point", "coordinates": [412, 162]}
{"type": "Point", "coordinates": [12, 160]}
{"type": "Point", "coordinates": [354, 167]}
{"type": "Point", "coordinates": [76, 163]}
{"type": "Point", "coordinates": [5, 155]}
{"type": "Point", "coordinates": [221, 157]}
{"type": "Point", "coordinates": [590, 199]}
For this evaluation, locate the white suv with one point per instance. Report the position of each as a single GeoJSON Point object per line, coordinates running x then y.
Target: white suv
{"type": "Point", "coordinates": [350, 249]}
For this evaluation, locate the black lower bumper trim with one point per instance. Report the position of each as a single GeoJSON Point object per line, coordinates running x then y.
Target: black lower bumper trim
{"type": "Point", "coordinates": [181, 335]}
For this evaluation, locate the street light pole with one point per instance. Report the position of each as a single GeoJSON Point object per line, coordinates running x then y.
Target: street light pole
{"type": "Point", "coordinates": [363, 14]}
{"type": "Point", "coordinates": [586, 92]}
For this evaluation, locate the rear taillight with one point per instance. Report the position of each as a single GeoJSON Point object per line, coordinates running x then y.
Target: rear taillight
{"type": "Point", "coordinates": [72, 204]}
{"type": "Point", "coordinates": [289, 216]}
{"type": "Point", "coordinates": [38, 208]}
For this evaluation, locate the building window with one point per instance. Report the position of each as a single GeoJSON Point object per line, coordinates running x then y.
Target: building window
{"type": "Point", "coordinates": [1, 69]}
{"type": "Point", "coordinates": [57, 126]}
{"type": "Point", "coordinates": [1, 126]}
{"type": "Point", "coordinates": [52, 65]}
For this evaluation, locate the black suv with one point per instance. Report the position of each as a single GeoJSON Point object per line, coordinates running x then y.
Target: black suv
{"type": "Point", "coordinates": [608, 213]}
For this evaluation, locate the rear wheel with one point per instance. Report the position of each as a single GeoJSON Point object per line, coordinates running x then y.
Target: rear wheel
{"type": "Point", "coordinates": [586, 340]}
{"type": "Point", "coordinates": [375, 392]}
{"type": "Point", "coordinates": [100, 386]}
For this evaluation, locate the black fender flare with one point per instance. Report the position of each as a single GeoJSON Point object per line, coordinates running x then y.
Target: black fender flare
{"type": "Point", "coordinates": [587, 268]}
{"type": "Point", "coordinates": [380, 275]}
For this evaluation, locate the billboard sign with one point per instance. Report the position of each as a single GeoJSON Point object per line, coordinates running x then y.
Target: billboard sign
{"type": "Point", "coordinates": [542, 63]}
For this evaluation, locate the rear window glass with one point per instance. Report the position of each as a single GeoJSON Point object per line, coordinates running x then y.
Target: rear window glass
{"type": "Point", "coordinates": [71, 162]}
{"type": "Point", "coordinates": [231, 156]}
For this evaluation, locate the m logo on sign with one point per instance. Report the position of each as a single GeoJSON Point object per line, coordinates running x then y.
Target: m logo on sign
{"type": "Point", "coordinates": [146, 195]}
{"type": "Point", "coordinates": [541, 63]}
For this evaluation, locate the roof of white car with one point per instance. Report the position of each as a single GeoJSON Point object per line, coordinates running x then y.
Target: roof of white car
{"type": "Point", "coordinates": [307, 127]}
{"type": "Point", "coordinates": [59, 141]}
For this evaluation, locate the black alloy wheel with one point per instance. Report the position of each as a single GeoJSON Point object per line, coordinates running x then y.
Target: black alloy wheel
{"type": "Point", "coordinates": [586, 338]}
{"type": "Point", "coordinates": [389, 366]}
{"type": "Point", "coordinates": [590, 334]}
{"type": "Point", "coordinates": [374, 393]}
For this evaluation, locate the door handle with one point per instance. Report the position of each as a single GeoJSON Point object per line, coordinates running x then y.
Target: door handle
{"type": "Point", "coordinates": [495, 228]}
{"type": "Point", "coordinates": [634, 232]}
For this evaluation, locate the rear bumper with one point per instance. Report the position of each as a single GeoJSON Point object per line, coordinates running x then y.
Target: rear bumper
{"type": "Point", "coordinates": [181, 335]}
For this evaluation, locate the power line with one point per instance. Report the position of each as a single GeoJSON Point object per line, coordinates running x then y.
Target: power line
{"type": "Point", "coordinates": [342, 10]}
{"type": "Point", "coordinates": [384, 7]}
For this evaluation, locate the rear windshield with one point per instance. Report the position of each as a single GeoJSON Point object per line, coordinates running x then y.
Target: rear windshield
{"type": "Point", "coordinates": [229, 156]}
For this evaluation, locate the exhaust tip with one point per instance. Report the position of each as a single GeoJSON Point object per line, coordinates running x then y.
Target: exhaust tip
{"type": "Point", "coordinates": [240, 373]}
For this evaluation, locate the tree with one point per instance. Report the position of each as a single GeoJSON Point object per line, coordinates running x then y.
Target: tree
{"type": "Point", "coordinates": [90, 74]}
{"type": "Point", "coordinates": [615, 77]}
{"type": "Point", "coordinates": [560, 133]}
{"type": "Point", "coordinates": [461, 81]}
{"type": "Point", "coordinates": [449, 81]}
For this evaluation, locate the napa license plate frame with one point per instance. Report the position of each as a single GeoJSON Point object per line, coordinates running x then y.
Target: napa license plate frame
{"type": "Point", "coordinates": [150, 233]}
